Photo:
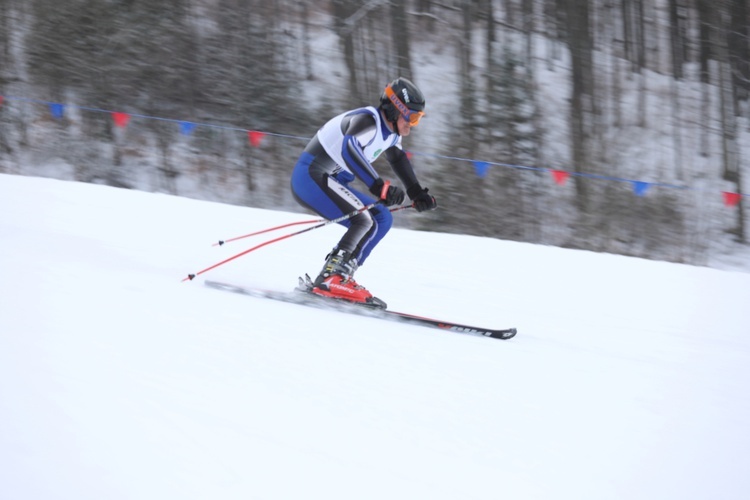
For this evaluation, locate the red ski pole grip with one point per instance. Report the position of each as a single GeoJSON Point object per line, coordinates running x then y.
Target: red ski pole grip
{"type": "Point", "coordinates": [384, 191]}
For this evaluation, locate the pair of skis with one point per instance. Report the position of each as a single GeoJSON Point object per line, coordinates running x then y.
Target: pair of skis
{"type": "Point", "coordinates": [303, 296]}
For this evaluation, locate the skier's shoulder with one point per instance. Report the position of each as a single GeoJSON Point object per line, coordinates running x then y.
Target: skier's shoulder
{"type": "Point", "coordinates": [364, 111]}
{"type": "Point", "coordinates": [365, 116]}
{"type": "Point", "coordinates": [359, 120]}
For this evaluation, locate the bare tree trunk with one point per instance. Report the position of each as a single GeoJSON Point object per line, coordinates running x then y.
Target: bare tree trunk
{"type": "Point", "coordinates": [400, 37]}
{"type": "Point", "coordinates": [677, 37]}
{"type": "Point", "coordinates": [492, 71]}
{"type": "Point", "coordinates": [468, 99]}
{"type": "Point", "coordinates": [705, 18]}
{"type": "Point", "coordinates": [342, 10]}
{"type": "Point", "coordinates": [247, 171]}
{"type": "Point", "coordinates": [677, 129]}
{"type": "Point", "coordinates": [730, 147]}
{"type": "Point", "coordinates": [5, 31]}
{"type": "Point", "coordinates": [306, 52]}
{"type": "Point", "coordinates": [627, 30]}
{"type": "Point", "coordinates": [582, 94]}
{"type": "Point", "coordinates": [5, 66]}
{"type": "Point", "coordinates": [641, 61]}
{"type": "Point", "coordinates": [738, 40]}
{"type": "Point", "coordinates": [165, 173]}
{"type": "Point", "coordinates": [553, 24]}
{"type": "Point", "coordinates": [528, 29]}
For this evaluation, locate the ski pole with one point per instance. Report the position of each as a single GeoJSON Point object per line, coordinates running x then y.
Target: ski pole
{"type": "Point", "coordinates": [275, 228]}
{"type": "Point", "coordinates": [261, 245]}
{"type": "Point", "coordinates": [221, 242]}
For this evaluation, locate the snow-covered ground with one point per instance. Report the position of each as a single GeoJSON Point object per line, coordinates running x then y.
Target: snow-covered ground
{"type": "Point", "coordinates": [628, 378]}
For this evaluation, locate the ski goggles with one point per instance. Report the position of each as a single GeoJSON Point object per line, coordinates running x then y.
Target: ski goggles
{"type": "Point", "coordinates": [411, 116]}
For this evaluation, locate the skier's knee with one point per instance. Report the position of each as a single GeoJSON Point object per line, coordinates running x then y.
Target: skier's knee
{"type": "Point", "coordinates": [383, 217]}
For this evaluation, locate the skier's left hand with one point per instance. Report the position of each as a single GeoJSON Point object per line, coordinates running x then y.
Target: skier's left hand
{"type": "Point", "coordinates": [423, 200]}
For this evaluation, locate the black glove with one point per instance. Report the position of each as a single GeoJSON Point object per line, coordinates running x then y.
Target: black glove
{"type": "Point", "coordinates": [393, 195]}
{"type": "Point", "coordinates": [421, 198]}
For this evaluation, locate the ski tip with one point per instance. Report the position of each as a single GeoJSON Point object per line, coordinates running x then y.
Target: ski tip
{"type": "Point", "coordinates": [508, 334]}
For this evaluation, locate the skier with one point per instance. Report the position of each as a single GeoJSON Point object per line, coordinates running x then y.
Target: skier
{"type": "Point", "coordinates": [342, 151]}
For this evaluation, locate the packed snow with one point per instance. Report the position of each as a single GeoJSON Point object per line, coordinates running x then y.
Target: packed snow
{"type": "Point", "coordinates": [628, 378]}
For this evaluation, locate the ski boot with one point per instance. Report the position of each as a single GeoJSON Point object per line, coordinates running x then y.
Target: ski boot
{"type": "Point", "coordinates": [336, 281]}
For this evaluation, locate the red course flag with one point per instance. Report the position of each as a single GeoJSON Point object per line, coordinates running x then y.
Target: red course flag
{"type": "Point", "coordinates": [120, 119]}
{"type": "Point", "coordinates": [560, 176]}
{"type": "Point", "coordinates": [1, 100]}
{"type": "Point", "coordinates": [409, 154]}
{"type": "Point", "coordinates": [731, 199]}
{"type": "Point", "coordinates": [255, 137]}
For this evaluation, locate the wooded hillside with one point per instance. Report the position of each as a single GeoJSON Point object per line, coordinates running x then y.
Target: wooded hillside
{"type": "Point", "coordinates": [610, 125]}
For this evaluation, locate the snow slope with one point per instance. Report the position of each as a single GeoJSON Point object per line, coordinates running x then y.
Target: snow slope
{"type": "Point", "coordinates": [628, 378]}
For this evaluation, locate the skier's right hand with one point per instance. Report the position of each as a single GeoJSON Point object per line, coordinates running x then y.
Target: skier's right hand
{"type": "Point", "coordinates": [392, 195]}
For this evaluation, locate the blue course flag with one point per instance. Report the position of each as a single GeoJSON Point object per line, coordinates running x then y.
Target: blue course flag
{"type": "Point", "coordinates": [481, 167]}
{"type": "Point", "coordinates": [640, 187]}
{"type": "Point", "coordinates": [186, 127]}
{"type": "Point", "coordinates": [57, 110]}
